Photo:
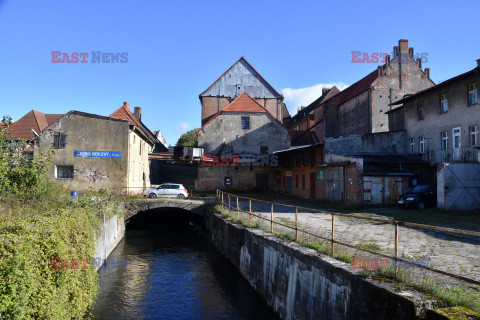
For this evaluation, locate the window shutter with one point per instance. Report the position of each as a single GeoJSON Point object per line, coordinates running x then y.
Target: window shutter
{"type": "Point", "coordinates": [63, 139]}
{"type": "Point", "coordinates": [55, 140]}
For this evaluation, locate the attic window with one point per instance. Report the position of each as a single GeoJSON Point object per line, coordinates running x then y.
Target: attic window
{"type": "Point", "coordinates": [59, 140]}
{"type": "Point", "coordinates": [245, 123]}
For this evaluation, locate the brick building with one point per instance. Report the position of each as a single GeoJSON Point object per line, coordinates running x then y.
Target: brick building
{"type": "Point", "coordinates": [238, 135]}
{"type": "Point", "coordinates": [361, 108]}
{"type": "Point", "coordinates": [241, 77]}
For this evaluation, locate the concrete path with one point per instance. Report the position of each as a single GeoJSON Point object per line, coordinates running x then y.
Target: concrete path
{"type": "Point", "coordinates": [450, 252]}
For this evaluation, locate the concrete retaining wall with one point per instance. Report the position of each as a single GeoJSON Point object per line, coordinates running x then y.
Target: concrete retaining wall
{"type": "Point", "coordinates": [111, 233]}
{"type": "Point", "coordinates": [298, 284]}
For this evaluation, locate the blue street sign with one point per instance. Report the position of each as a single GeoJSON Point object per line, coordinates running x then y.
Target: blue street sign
{"type": "Point", "coordinates": [97, 154]}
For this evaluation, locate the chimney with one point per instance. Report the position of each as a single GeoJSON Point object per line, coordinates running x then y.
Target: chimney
{"type": "Point", "coordinates": [478, 63]}
{"type": "Point", "coordinates": [395, 51]}
{"type": "Point", "coordinates": [403, 44]}
{"type": "Point", "coordinates": [427, 72]}
{"type": "Point", "coordinates": [388, 60]}
{"type": "Point", "coordinates": [380, 70]}
{"type": "Point", "coordinates": [138, 113]}
{"type": "Point", "coordinates": [325, 90]}
{"type": "Point", "coordinates": [126, 105]}
{"type": "Point", "coordinates": [419, 61]}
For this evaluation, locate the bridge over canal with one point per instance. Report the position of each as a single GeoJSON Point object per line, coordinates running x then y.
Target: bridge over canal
{"type": "Point", "coordinates": [196, 206]}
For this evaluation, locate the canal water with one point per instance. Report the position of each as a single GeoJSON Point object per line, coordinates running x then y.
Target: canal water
{"type": "Point", "coordinates": [173, 272]}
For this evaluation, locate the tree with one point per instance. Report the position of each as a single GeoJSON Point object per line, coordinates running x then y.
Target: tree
{"type": "Point", "coordinates": [188, 139]}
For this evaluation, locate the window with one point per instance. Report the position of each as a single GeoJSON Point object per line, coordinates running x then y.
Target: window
{"type": "Point", "coordinates": [412, 144]}
{"type": "Point", "coordinates": [474, 136]}
{"type": "Point", "coordinates": [303, 182]}
{"type": "Point", "coordinates": [443, 103]}
{"type": "Point", "coordinates": [457, 142]}
{"type": "Point", "coordinates": [64, 172]}
{"type": "Point", "coordinates": [59, 140]}
{"type": "Point", "coordinates": [263, 149]}
{"type": "Point", "coordinates": [421, 111]}
{"type": "Point", "coordinates": [228, 149]}
{"type": "Point", "coordinates": [246, 123]}
{"type": "Point", "coordinates": [296, 181]}
{"type": "Point", "coordinates": [228, 181]}
{"type": "Point", "coordinates": [472, 94]}
{"type": "Point", "coordinates": [421, 143]}
{"type": "Point", "coordinates": [444, 136]}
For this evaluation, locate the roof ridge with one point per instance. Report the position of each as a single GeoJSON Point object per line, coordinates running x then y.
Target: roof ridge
{"type": "Point", "coordinates": [255, 70]}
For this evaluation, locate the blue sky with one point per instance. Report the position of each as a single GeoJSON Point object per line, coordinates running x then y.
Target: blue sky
{"type": "Point", "coordinates": [176, 49]}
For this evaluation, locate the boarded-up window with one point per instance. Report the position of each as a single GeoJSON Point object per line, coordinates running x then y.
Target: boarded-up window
{"type": "Point", "coordinates": [59, 140]}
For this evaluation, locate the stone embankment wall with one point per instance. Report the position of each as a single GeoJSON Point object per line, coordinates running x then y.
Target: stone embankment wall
{"type": "Point", "coordinates": [299, 284]}
{"type": "Point", "coordinates": [111, 234]}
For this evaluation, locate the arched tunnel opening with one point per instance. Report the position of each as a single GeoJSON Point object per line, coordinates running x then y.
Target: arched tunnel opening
{"type": "Point", "coordinates": [165, 219]}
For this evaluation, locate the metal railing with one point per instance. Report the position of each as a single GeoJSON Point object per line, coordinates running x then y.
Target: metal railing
{"type": "Point", "coordinates": [225, 200]}
{"type": "Point", "coordinates": [463, 154]}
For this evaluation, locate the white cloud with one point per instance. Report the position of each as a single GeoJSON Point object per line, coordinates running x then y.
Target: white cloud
{"type": "Point", "coordinates": [302, 97]}
{"type": "Point", "coordinates": [182, 127]}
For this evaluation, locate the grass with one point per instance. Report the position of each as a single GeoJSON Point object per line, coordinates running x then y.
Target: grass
{"type": "Point", "coordinates": [369, 246]}
{"type": "Point", "coordinates": [451, 296]}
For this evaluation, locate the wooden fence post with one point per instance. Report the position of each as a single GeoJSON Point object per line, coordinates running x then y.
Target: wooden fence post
{"type": "Point", "coordinates": [333, 234]}
{"type": "Point", "coordinates": [229, 202]}
{"type": "Point", "coordinates": [222, 202]}
{"type": "Point", "coordinates": [238, 210]}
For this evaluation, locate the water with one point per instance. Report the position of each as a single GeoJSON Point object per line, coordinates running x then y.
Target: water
{"type": "Point", "coordinates": [173, 273]}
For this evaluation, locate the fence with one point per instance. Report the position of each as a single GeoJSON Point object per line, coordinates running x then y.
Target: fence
{"type": "Point", "coordinates": [225, 200]}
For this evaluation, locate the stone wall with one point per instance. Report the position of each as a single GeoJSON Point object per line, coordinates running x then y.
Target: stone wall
{"type": "Point", "coordinates": [112, 232]}
{"type": "Point", "coordinates": [384, 143]}
{"type": "Point", "coordinates": [299, 284]}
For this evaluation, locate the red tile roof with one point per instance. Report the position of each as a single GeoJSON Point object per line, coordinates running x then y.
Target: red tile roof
{"type": "Point", "coordinates": [22, 129]}
{"type": "Point", "coordinates": [243, 58]}
{"type": "Point", "coordinates": [243, 103]}
{"type": "Point", "coordinates": [123, 113]}
{"type": "Point", "coordinates": [358, 87]}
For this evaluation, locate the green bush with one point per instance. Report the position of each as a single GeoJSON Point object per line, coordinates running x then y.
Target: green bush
{"type": "Point", "coordinates": [38, 223]}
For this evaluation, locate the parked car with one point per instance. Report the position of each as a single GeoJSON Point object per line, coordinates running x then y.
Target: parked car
{"type": "Point", "coordinates": [421, 197]}
{"type": "Point", "coordinates": [168, 190]}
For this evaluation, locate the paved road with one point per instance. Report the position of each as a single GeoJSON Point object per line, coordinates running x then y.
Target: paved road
{"type": "Point", "coordinates": [459, 254]}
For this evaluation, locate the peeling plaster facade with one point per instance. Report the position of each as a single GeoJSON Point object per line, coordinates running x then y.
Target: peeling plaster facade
{"type": "Point", "coordinates": [88, 132]}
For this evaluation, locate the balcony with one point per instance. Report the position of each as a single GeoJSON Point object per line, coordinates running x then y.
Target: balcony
{"type": "Point", "coordinates": [463, 154]}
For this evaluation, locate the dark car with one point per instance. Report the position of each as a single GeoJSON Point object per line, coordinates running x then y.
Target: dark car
{"type": "Point", "coordinates": [421, 197]}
